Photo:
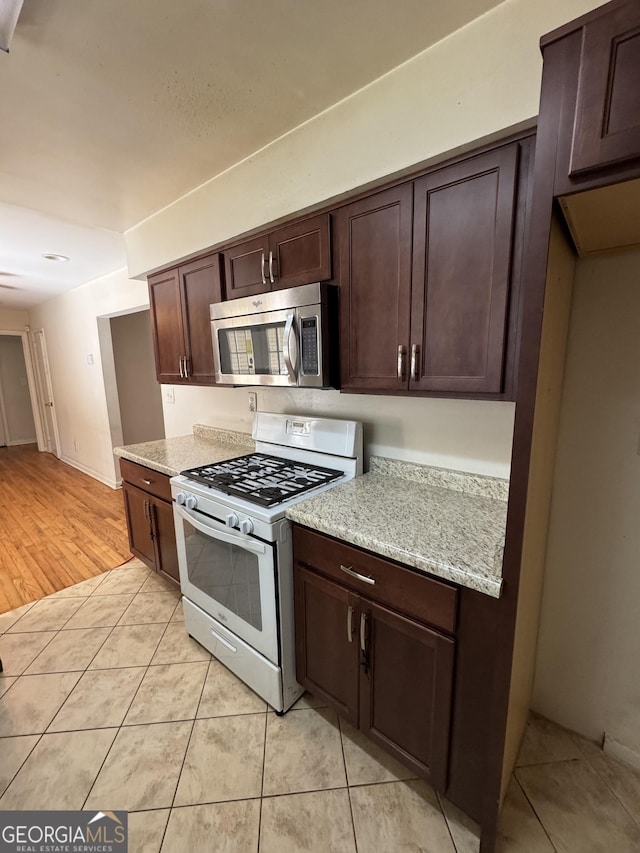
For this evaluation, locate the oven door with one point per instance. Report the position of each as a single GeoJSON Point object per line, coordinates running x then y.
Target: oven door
{"type": "Point", "coordinates": [259, 349]}
{"type": "Point", "coordinates": [231, 576]}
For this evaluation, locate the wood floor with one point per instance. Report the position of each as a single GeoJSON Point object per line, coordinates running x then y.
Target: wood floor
{"type": "Point", "coordinates": [58, 526]}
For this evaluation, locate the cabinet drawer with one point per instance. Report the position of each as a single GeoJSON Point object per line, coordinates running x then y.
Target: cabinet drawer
{"type": "Point", "coordinates": [402, 589]}
{"type": "Point", "coordinates": [150, 481]}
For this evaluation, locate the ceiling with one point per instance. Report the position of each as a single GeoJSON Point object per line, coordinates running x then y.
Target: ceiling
{"type": "Point", "coordinates": [114, 108]}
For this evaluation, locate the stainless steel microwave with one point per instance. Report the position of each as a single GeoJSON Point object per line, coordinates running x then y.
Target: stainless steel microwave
{"type": "Point", "coordinates": [284, 337]}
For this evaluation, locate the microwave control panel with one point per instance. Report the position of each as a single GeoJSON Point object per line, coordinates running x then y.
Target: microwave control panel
{"type": "Point", "coordinates": [309, 342]}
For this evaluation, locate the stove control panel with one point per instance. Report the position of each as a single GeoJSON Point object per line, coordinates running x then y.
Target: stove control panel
{"type": "Point", "coordinates": [232, 520]}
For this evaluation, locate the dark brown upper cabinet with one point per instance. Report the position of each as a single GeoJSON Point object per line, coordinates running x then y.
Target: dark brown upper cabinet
{"type": "Point", "coordinates": [181, 329]}
{"type": "Point", "coordinates": [607, 116]}
{"type": "Point", "coordinates": [462, 238]}
{"type": "Point", "coordinates": [299, 253]}
{"type": "Point", "coordinates": [375, 290]}
{"type": "Point", "coordinates": [424, 272]}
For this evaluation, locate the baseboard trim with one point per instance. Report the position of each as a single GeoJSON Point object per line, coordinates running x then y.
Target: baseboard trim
{"type": "Point", "coordinates": [621, 752]}
{"type": "Point", "coordinates": [112, 483]}
{"type": "Point", "coordinates": [17, 441]}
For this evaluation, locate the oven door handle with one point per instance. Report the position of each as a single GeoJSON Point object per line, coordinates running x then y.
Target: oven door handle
{"type": "Point", "coordinates": [220, 531]}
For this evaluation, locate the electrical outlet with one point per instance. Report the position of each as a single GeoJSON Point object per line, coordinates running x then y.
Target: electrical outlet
{"type": "Point", "coordinates": [169, 393]}
{"type": "Point", "coordinates": [253, 401]}
{"type": "Point", "coordinates": [90, 359]}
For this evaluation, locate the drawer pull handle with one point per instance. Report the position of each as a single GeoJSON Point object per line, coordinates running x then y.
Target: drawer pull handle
{"type": "Point", "coordinates": [147, 482]}
{"type": "Point", "coordinates": [364, 578]}
{"type": "Point", "coordinates": [350, 623]}
{"type": "Point", "coordinates": [222, 640]}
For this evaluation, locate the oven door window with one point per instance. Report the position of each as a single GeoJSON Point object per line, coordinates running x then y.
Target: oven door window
{"type": "Point", "coordinates": [226, 573]}
{"type": "Point", "coordinates": [231, 577]}
{"type": "Point", "coordinates": [253, 350]}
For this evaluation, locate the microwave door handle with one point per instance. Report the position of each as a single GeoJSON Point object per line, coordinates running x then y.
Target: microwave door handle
{"type": "Point", "coordinates": [286, 348]}
{"type": "Point", "coordinates": [216, 530]}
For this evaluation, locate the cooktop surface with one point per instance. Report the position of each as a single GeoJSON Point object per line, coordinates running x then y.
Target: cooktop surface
{"type": "Point", "coordinates": [263, 479]}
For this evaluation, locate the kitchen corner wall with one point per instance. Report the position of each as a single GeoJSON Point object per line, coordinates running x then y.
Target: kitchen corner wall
{"type": "Point", "coordinates": [71, 331]}
{"type": "Point", "coordinates": [476, 83]}
{"type": "Point", "coordinates": [482, 79]}
{"type": "Point", "coordinates": [588, 667]}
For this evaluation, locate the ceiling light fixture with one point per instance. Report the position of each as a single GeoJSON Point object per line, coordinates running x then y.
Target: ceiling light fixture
{"type": "Point", "coordinates": [53, 257]}
{"type": "Point", "coordinates": [9, 13]}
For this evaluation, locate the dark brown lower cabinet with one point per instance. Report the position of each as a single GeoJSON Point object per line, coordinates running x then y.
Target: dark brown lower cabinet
{"type": "Point", "coordinates": [385, 673]}
{"type": "Point", "coordinates": [406, 675]}
{"type": "Point", "coordinates": [149, 517]}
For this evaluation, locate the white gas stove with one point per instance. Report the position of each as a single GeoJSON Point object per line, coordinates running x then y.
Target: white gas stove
{"type": "Point", "coordinates": [234, 543]}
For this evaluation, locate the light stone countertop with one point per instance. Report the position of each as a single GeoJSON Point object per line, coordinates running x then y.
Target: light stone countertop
{"type": "Point", "coordinates": [172, 455]}
{"type": "Point", "coordinates": [446, 523]}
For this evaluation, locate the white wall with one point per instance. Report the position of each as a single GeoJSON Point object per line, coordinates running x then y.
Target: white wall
{"type": "Point", "coordinates": [14, 391]}
{"type": "Point", "coordinates": [467, 435]}
{"type": "Point", "coordinates": [482, 79]}
{"type": "Point", "coordinates": [588, 668]}
{"type": "Point", "coordinates": [12, 320]}
{"type": "Point", "coordinates": [474, 84]}
{"type": "Point", "coordinates": [139, 395]}
{"type": "Point", "coordinates": [71, 329]}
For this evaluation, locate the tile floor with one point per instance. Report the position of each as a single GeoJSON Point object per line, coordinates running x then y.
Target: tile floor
{"type": "Point", "coordinates": [105, 702]}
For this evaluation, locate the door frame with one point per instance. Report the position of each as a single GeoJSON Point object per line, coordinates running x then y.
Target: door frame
{"type": "Point", "coordinates": [44, 392]}
{"type": "Point", "coordinates": [31, 383]}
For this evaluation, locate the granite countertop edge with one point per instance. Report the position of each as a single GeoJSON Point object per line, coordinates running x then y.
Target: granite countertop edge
{"type": "Point", "coordinates": [205, 445]}
{"type": "Point", "coordinates": [322, 513]}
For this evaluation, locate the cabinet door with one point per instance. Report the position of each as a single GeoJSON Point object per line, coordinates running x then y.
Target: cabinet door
{"type": "Point", "coordinates": [200, 282]}
{"type": "Point", "coordinates": [300, 253]}
{"type": "Point", "coordinates": [463, 227]}
{"type": "Point", "coordinates": [137, 507]}
{"type": "Point", "coordinates": [607, 122]}
{"type": "Point", "coordinates": [405, 689]}
{"type": "Point", "coordinates": [326, 616]}
{"type": "Point", "coordinates": [165, 540]}
{"type": "Point", "coordinates": [245, 268]}
{"type": "Point", "coordinates": [167, 326]}
{"type": "Point", "coordinates": [374, 237]}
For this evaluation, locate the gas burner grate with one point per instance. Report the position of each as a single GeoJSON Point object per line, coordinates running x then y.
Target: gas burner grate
{"type": "Point", "coordinates": [262, 479]}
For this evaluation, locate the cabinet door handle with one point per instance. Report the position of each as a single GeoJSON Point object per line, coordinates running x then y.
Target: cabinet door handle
{"type": "Point", "coordinates": [146, 482]}
{"type": "Point", "coordinates": [180, 366]}
{"type": "Point", "coordinates": [415, 354]}
{"type": "Point", "coordinates": [365, 578]}
{"type": "Point", "coordinates": [350, 623]}
{"type": "Point", "coordinates": [152, 521]}
{"type": "Point", "coordinates": [401, 358]}
{"type": "Point", "coordinates": [271, 278]}
{"type": "Point", "coordinates": [264, 280]}
{"type": "Point", "coordinates": [186, 366]}
{"type": "Point", "coordinates": [363, 632]}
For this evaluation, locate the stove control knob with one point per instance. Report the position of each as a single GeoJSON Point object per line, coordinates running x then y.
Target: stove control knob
{"type": "Point", "coordinates": [232, 520]}
{"type": "Point", "coordinates": [246, 526]}
{"type": "Point", "coordinates": [181, 498]}
{"type": "Point", "coordinates": [191, 502]}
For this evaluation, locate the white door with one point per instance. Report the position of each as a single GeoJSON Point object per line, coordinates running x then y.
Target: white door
{"type": "Point", "coordinates": [45, 394]}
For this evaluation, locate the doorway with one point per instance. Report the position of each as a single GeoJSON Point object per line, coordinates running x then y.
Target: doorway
{"type": "Point", "coordinates": [134, 398]}
{"type": "Point", "coordinates": [50, 441]}
{"type": "Point", "coordinates": [19, 416]}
